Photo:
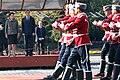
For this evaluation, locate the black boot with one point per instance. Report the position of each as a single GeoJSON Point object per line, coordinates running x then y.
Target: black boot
{"type": "Point", "coordinates": [102, 68]}
{"type": "Point", "coordinates": [58, 62]}
{"type": "Point", "coordinates": [106, 78]}
{"type": "Point", "coordinates": [56, 73]}
{"type": "Point", "coordinates": [67, 73]}
{"type": "Point", "coordinates": [109, 72]}
{"type": "Point", "coordinates": [116, 72]}
{"type": "Point", "coordinates": [50, 77]}
{"type": "Point", "coordinates": [80, 74]}
{"type": "Point", "coordinates": [88, 75]}
{"type": "Point", "coordinates": [73, 73]}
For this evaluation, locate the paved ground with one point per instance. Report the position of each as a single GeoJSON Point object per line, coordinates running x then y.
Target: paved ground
{"type": "Point", "coordinates": [38, 74]}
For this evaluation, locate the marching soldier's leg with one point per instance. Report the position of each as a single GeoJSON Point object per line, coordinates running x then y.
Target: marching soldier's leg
{"type": "Point", "coordinates": [73, 72]}
{"type": "Point", "coordinates": [59, 46]}
{"type": "Point", "coordinates": [67, 73]}
{"type": "Point", "coordinates": [85, 57]}
{"type": "Point", "coordinates": [56, 73]}
{"type": "Point", "coordinates": [61, 52]}
{"type": "Point", "coordinates": [110, 66]}
{"type": "Point", "coordinates": [71, 61]}
{"type": "Point", "coordinates": [88, 75]}
{"type": "Point", "coordinates": [79, 70]}
{"type": "Point", "coordinates": [109, 71]}
{"type": "Point", "coordinates": [77, 66]}
{"type": "Point", "coordinates": [117, 64]}
{"type": "Point", "coordinates": [80, 74]}
{"type": "Point", "coordinates": [66, 55]}
{"type": "Point", "coordinates": [58, 62]}
{"type": "Point", "coordinates": [102, 67]}
{"type": "Point", "coordinates": [116, 72]}
{"type": "Point", "coordinates": [88, 71]}
{"type": "Point", "coordinates": [86, 61]}
{"type": "Point", "coordinates": [61, 66]}
{"type": "Point", "coordinates": [105, 50]}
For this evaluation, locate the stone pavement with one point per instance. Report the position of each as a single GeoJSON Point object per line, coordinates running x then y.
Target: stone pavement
{"type": "Point", "coordinates": [38, 74]}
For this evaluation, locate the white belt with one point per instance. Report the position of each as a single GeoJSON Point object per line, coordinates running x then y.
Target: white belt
{"type": "Point", "coordinates": [67, 34]}
{"type": "Point", "coordinates": [75, 35]}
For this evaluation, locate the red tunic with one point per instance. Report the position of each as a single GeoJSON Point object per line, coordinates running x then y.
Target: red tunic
{"type": "Point", "coordinates": [56, 23]}
{"type": "Point", "coordinates": [116, 19]}
{"type": "Point", "coordinates": [81, 26]}
{"type": "Point", "coordinates": [62, 40]}
{"type": "Point", "coordinates": [65, 18]}
{"type": "Point", "coordinates": [106, 28]}
{"type": "Point", "coordinates": [105, 23]}
{"type": "Point", "coordinates": [68, 36]}
{"type": "Point", "coordinates": [113, 29]}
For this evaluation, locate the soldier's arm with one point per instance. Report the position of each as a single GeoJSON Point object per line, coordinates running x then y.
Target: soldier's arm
{"type": "Point", "coordinates": [69, 21]}
{"type": "Point", "coordinates": [65, 18]}
{"type": "Point", "coordinates": [72, 24]}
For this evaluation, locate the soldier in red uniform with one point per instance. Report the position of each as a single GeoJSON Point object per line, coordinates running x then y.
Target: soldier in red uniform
{"type": "Point", "coordinates": [105, 49]}
{"type": "Point", "coordinates": [69, 45]}
{"type": "Point", "coordinates": [113, 41]}
{"type": "Point", "coordinates": [62, 41]}
{"type": "Point", "coordinates": [82, 41]}
{"type": "Point", "coordinates": [116, 19]}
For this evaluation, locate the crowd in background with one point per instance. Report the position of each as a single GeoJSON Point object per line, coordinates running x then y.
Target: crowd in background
{"type": "Point", "coordinates": [29, 32]}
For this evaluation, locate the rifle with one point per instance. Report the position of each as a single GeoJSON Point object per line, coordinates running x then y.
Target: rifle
{"type": "Point", "coordinates": [98, 16]}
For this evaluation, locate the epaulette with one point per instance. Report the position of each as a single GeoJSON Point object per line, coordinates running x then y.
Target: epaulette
{"type": "Point", "coordinates": [81, 15]}
{"type": "Point", "coordinates": [116, 16]}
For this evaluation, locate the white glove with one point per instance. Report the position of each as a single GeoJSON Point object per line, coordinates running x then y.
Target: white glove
{"type": "Point", "coordinates": [55, 24]}
{"type": "Point", "coordinates": [99, 23]}
{"type": "Point", "coordinates": [111, 25]}
{"type": "Point", "coordinates": [61, 26]}
{"type": "Point", "coordinates": [94, 22]}
{"type": "Point", "coordinates": [117, 24]}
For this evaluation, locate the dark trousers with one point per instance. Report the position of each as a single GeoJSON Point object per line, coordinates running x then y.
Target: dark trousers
{"type": "Point", "coordinates": [66, 54]}
{"type": "Point", "coordinates": [105, 50]}
{"type": "Point", "coordinates": [83, 52]}
{"type": "Point", "coordinates": [117, 55]}
{"type": "Point", "coordinates": [42, 43]}
{"type": "Point", "coordinates": [29, 43]}
{"type": "Point", "coordinates": [59, 46]}
{"type": "Point", "coordinates": [61, 52]}
{"type": "Point", "coordinates": [112, 52]}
